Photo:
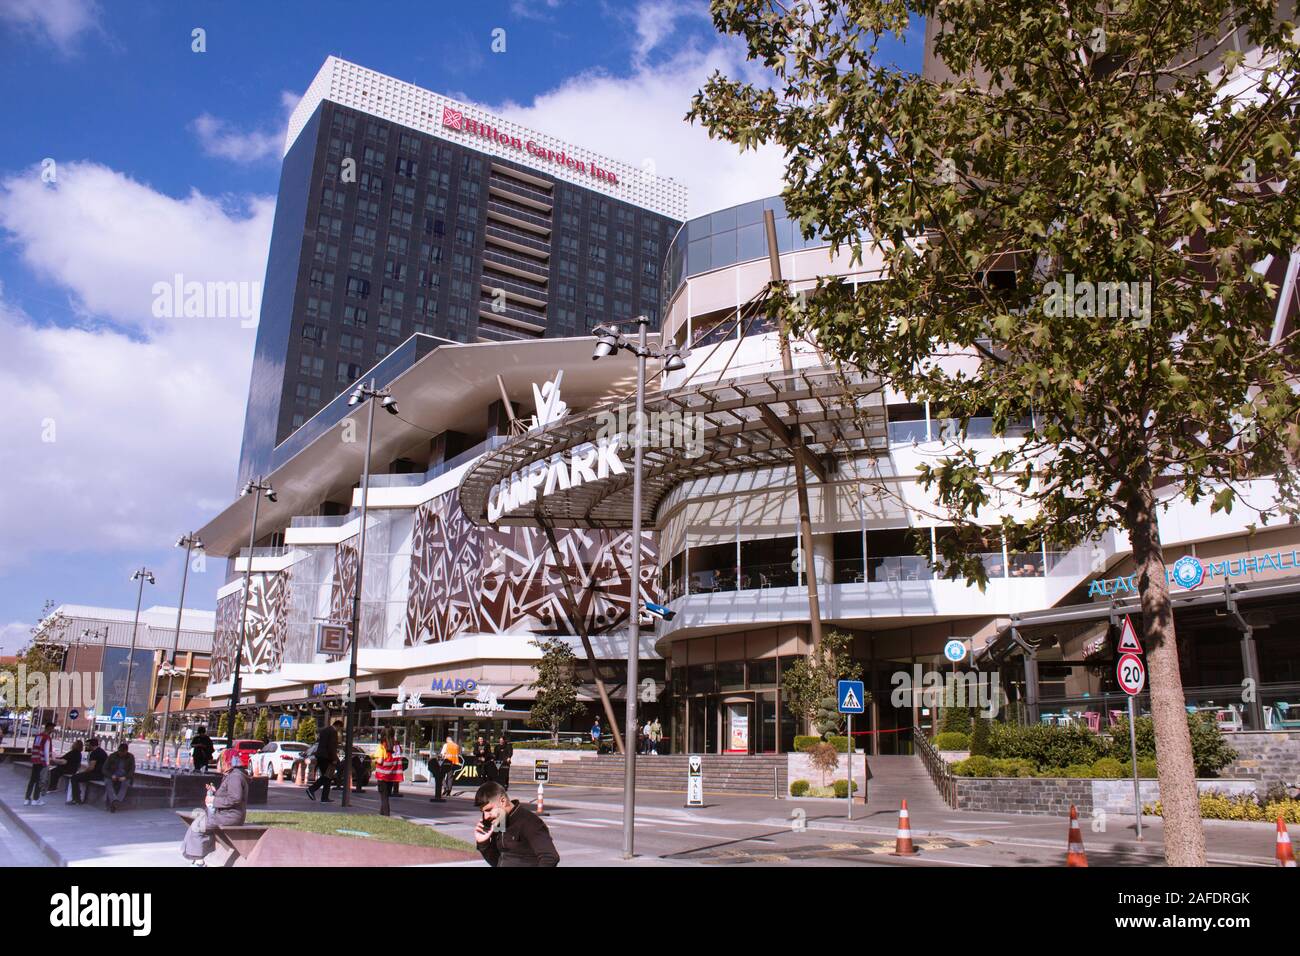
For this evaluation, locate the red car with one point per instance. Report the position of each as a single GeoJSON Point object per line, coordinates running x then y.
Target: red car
{"type": "Point", "coordinates": [243, 748]}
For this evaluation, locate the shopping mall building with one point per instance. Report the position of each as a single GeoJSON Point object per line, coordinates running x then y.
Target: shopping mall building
{"type": "Point", "coordinates": [497, 516]}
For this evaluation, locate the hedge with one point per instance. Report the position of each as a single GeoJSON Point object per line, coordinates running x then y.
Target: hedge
{"type": "Point", "coordinates": [799, 788]}
{"type": "Point", "coordinates": [842, 788]}
{"type": "Point", "coordinates": [803, 744]}
{"type": "Point", "coordinates": [1218, 806]}
{"type": "Point", "coordinates": [952, 740]}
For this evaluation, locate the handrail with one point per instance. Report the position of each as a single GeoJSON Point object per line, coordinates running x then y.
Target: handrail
{"type": "Point", "coordinates": [937, 767]}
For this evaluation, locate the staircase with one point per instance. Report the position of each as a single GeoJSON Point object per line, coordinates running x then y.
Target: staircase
{"type": "Point", "coordinates": [752, 774]}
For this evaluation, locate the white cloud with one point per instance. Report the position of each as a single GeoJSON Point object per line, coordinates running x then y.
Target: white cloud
{"type": "Point", "coordinates": [60, 22]}
{"type": "Point", "coordinates": [639, 116]}
{"type": "Point", "coordinates": [145, 413]}
{"type": "Point", "coordinates": [221, 138]}
{"type": "Point", "coordinates": [14, 636]}
{"type": "Point", "coordinates": [533, 9]}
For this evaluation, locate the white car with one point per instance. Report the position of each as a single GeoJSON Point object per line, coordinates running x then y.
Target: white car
{"type": "Point", "coordinates": [279, 756]}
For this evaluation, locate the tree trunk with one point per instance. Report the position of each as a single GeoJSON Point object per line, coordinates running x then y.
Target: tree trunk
{"type": "Point", "coordinates": [1184, 836]}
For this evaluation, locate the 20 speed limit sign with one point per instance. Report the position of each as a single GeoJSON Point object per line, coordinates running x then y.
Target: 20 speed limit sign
{"type": "Point", "coordinates": [1132, 674]}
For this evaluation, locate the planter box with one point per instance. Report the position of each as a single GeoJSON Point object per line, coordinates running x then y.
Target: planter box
{"type": "Point", "coordinates": [799, 767]}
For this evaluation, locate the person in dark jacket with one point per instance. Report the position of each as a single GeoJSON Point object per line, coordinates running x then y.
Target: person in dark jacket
{"type": "Point", "coordinates": [483, 760]}
{"type": "Point", "coordinates": [502, 756]}
{"type": "Point", "coordinates": [327, 758]}
{"type": "Point", "coordinates": [95, 761]}
{"type": "Point", "coordinates": [67, 765]}
{"type": "Point", "coordinates": [201, 750]}
{"type": "Point", "coordinates": [119, 776]}
{"type": "Point", "coordinates": [509, 834]}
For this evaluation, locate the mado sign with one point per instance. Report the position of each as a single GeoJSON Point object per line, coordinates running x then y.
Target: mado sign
{"type": "Point", "coordinates": [587, 462]}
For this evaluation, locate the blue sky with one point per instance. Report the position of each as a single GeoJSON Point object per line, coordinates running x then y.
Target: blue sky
{"type": "Point", "coordinates": [122, 430]}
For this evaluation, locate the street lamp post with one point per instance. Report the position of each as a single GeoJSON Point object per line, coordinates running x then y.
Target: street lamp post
{"type": "Point", "coordinates": [608, 341]}
{"type": "Point", "coordinates": [363, 393]}
{"type": "Point", "coordinates": [257, 488]}
{"type": "Point", "coordinates": [87, 633]}
{"type": "Point", "coordinates": [189, 542]}
{"type": "Point", "coordinates": [142, 575]}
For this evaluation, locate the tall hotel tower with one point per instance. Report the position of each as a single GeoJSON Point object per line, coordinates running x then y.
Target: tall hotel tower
{"type": "Point", "coordinates": [403, 211]}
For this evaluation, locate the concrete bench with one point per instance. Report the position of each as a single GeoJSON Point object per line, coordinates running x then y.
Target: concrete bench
{"type": "Point", "coordinates": [140, 795]}
{"type": "Point", "coordinates": [239, 840]}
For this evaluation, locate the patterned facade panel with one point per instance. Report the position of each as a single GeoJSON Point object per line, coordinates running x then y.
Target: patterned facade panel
{"type": "Point", "coordinates": [266, 629]}
{"type": "Point", "coordinates": [466, 579]}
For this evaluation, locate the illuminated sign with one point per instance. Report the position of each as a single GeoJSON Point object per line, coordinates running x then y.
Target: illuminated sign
{"type": "Point", "coordinates": [455, 119]}
{"type": "Point", "coordinates": [446, 685]}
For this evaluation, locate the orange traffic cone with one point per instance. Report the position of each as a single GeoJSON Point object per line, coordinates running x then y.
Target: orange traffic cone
{"type": "Point", "coordinates": [1074, 855]}
{"type": "Point", "coordinates": [1285, 853]}
{"type": "Point", "coordinates": [541, 805]}
{"type": "Point", "coordinates": [903, 843]}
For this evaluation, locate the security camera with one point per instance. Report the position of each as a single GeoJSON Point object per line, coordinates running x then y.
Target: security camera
{"type": "Point", "coordinates": [659, 611]}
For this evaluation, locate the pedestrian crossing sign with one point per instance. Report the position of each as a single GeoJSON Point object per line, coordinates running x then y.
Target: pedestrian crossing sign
{"type": "Point", "coordinates": [118, 715]}
{"type": "Point", "coordinates": [851, 693]}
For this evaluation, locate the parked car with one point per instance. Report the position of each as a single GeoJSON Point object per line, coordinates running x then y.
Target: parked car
{"type": "Point", "coordinates": [245, 748]}
{"type": "Point", "coordinates": [279, 756]}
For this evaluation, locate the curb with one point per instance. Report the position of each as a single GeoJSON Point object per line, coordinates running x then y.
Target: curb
{"type": "Point", "coordinates": [51, 854]}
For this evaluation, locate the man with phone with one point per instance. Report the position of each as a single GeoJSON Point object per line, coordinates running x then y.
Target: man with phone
{"type": "Point", "coordinates": [508, 833]}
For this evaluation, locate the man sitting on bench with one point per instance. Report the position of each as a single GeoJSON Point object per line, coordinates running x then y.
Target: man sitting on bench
{"type": "Point", "coordinates": [95, 760]}
{"type": "Point", "coordinates": [119, 774]}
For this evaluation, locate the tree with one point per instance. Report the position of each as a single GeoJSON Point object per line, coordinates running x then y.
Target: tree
{"type": "Point", "coordinates": [307, 731]}
{"type": "Point", "coordinates": [557, 690]}
{"type": "Point", "coordinates": [240, 726]}
{"type": "Point", "coordinates": [810, 680]}
{"type": "Point", "coordinates": [824, 758]}
{"type": "Point", "coordinates": [1073, 148]}
{"type": "Point", "coordinates": [262, 728]}
{"type": "Point", "coordinates": [223, 723]}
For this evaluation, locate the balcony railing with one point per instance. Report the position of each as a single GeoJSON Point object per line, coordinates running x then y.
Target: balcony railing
{"type": "Point", "coordinates": [519, 189]}
{"type": "Point", "coordinates": [517, 215]}
{"type": "Point", "coordinates": [529, 267]}
{"type": "Point", "coordinates": [323, 521]}
{"type": "Point", "coordinates": [534, 321]}
{"type": "Point", "coordinates": [507, 234]}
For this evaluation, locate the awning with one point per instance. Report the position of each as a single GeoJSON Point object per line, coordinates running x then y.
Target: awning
{"type": "Point", "coordinates": [452, 713]}
{"type": "Point", "coordinates": [1002, 643]}
{"type": "Point", "coordinates": [748, 423]}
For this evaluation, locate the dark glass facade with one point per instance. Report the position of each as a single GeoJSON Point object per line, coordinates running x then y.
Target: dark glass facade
{"type": "Point", "coordinates": [429, 237]}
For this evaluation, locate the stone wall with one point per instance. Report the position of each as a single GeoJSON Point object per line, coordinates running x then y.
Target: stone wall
{"type": "Point", "coordinates": [1270, 758]}
{"type": "Point", "coordinates": [1053, 796]}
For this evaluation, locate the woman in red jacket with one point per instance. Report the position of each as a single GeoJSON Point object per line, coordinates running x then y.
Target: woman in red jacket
{"type": "Point", "coordinates": [388, 769]}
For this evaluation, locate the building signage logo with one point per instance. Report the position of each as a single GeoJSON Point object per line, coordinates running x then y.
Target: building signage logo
{"type": "Point", "coordinates": [587, 462]}
{"type": "Point", "coordinates": [484, 703]}
{"type": "Point", "coordinates": [455, 119]}
{"type": "Point", "coordinates": [446, 685]}
{"type": "Point", "coordinates": [1189, 572]}
{"type": "Point", "coordinates": [546, 399]}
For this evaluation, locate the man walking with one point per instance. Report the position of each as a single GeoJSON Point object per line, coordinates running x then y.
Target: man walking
{"type": "Point", "coordinates": [201, 750]}
{"type": "Point", "coordinates": [327, 758]}
{"type": "Point", "coordinates": [95, 760]}
{"type": "Point", "coordinates": [42, 757]}
{"type": "Point", "coordinates": [119, 774]}
{"type": "Point", "coordinates": [595, 734]}
{"type": "Point", "coordinates": [509, 834]}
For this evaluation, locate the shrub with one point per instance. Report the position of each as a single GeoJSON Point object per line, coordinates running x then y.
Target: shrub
{"type": "Point", "coordinates": [1046, 746]}
{"type": "Point", "coordinates": [1218, 806]}
{"type": "Point", "coordinates": [1147, 768]}
{"type": "Point", "coordinates": [554, 745]}
{"type": "Point", "coordinates": [1081, 770]}
{"type": "Point", "coordinates": [799, 788]}
{"type": "Point", "coordinates": [952, 740]}
{"type": "Point", "coordinates": [1014, 767]}
{"type": "Point", "coordinates": [956, 720]}
{"type": "Point", "coordinates": [979, 736]}
{"type": "Point", "coordinates": [980, 766]}
{"type": "Point", "coordinates": [842, 788]}
{"type": "Point", "coordinates": [1210, 751]}
{"type": "Point", "coordinates": [805, 744]}
{"type": "Point", "coordinates": [1107, 768]}
{"type": "Point", "coordinates": [307, 731]}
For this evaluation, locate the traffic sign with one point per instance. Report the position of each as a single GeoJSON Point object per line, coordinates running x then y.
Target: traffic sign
{"type": "Point", "coordinates": [1132, 674]}
{"type": "Point", "coordinates": [851, 694]}
{"type": "Point", "coordinates": [541, 771]}
{"type": "Point", "coordinates": [1128, 639]}
{"type": "Point", "coordinates": [286, 722]}
{"type": "Point", "coordinates": [955, 650]}
{"type": "Point", "coordinates": [117, 715]}
{"type": "Point", "coordinates": [74, 714]}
